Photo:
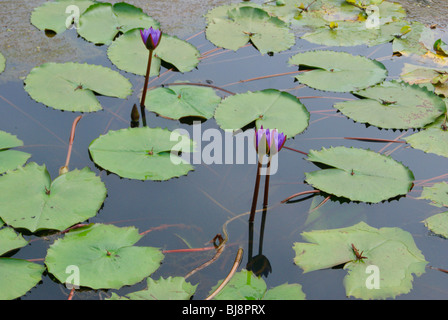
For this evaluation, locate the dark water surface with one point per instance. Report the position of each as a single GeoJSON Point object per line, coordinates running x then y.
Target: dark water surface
{"type": "Point", "coordinates": [194, 207]}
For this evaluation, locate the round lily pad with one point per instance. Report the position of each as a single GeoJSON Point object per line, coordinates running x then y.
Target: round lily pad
{"type": "Point", "coordinates": [102, 22]}
{"type": "Point", "coordinates": [104, 256]}
{"type": "Point", "coordinates": [359, 174]}
{"type": "Point", "coordinates": [380, 263]}
{"type": "Point", "coordinates": [438, 194]}
{"type": "Point", "coordinates": [18, 277]}
{"type": "Point", "coordinates": [338, 71]}
{"type": "Point", "coordinates": [11, 159]}
{"type": "Point", "coordinates": [59, 15]}
{"type": "Point", "coordinates": [269, 108]}
{"type": "Point", "coordinates": [30, 200]}
{"type": "Point", "coordinates": [394, 105]}
{"type": "Point", "coordinates": [130, 54]}
{"type": "Point", "coordinates": [142, 153]}
{"type": "Point", "coordinates": [72, 86]}
{"type": "Point", "coordinates": [249, 24]}
{"type": "Point", "coordinates": [438, 224]}
{"type": "Point", "coordinates": [433, 139]}
{"type": "Point", "coordinates": [180, 101]}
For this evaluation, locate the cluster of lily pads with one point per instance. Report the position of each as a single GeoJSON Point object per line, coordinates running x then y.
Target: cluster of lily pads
{"type": "Point", "coordinates": [31, 200]}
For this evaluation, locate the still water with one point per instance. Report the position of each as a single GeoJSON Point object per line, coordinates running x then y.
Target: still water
{"type": "Point", "coordinates": [194, 207]}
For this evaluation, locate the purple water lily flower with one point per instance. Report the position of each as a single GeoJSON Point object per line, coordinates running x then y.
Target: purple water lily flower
{"type": "Point", "coordinates": [272, 140]}
{"type": "Point", "coordinates": [151, 37]}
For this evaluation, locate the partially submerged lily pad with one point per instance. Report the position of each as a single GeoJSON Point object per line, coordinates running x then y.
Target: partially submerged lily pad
{"type": "Point", "coordinates": [142, 153]}
{"type": "Point", "coordinates": [438, 194]}
{"type": "Point", "coordinates": [171, 288]}
{"type": "Point", "coordinates": [380, 262]}
{"type": "Point", "coordinates": [394, 105]}
{"type": "Point", "coordinates": [180, 101]}
{"type": "Point", "coordinates": [244, 285]}
{"type": "Point", "coordinates": [438, 224]}
{"type": "Point", "coordinates": [435, 78]}
{"type": "Point", "coordinates": [250, 24]}
{"type": "Point", "coordinates": [359, 174]}
{"type": "Point", "coordinates": [72, 86]}
{"type": "Point", "coordinates": [130, 54]}
{"type": "Point", "coordinates": [11, 159]}
{"type": "Point", "coordinates": [57, 16]}
{"type": "Point", "coordinates": [30, 200]}
{"type": "Point", "coordinates": [266, 108]}
{"type": "Point", "coordinates": [105, 255]}
{"type": "Point", "coordinates": [433, 139]}
{"type": "Point", "coordinates": [102, 22]}
{"type": "Point", "coordinates": [18, 276]}
{"type": "Point", "coordinates": [337, 71]}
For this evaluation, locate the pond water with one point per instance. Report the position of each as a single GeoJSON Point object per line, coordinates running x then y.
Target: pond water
{"type": "Point", "coordinates": [192, 209]}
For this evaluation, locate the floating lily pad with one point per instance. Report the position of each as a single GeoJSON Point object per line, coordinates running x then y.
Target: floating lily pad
{"type": "Point", "coordinates": [438, 224]}
{"type": "Point", "coordinates": [414, 40]}
{"type": "Point", "coordinates": [102, 22]}
{"type": "Point", "coordinates": [30, 200]}
{"type": "Point", "coordinates": [244, 24]}
{"type": "Point", "coordinates": [180, 101]}
{"type": "Point", "coordinates": [244, 285]}
{"type": "Point", "coordinates": [438, 194]}
{"type": "Point", "coordinates": [267, 108]}
{"type": "Point", "coordinates": [142, 153]}
{"type": "Point", "coordinates": [337, 71]}
{"type": "Point", "coordinates": [130, 54]}
{"type": "Point", "coordinates": [394, 105]}
{"type": "Point", "coordinates": [72, 86]}
{"type": "Point", "coordinates": [105, 255]}
{"type": "Point", "coordinates": [433, 139]}
{"type": "Point", "coordinates": [359, 175]}
{"type": "Point", "coordinates": [2, 62]}
{"type": "Point", "coordinates": [172, 288]}
{"type": "Point", "coordinates": [435, 78]}
{"type": "Point", "coordinates": [391, 258]}
{"type": "Point", "coordinates": [11, 159]}
{"type": "Point", "coordinates": [59, 15]}
{"type": "Point", "coordinates": [18, 277]}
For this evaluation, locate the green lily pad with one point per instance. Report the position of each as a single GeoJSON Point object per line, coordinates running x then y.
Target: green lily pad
{"type": "Point", "coordinates": [441, 47]}
{"type": "Point", "coordinates": [18, 277]}
{"type": "Point", "coordinates": [10, 240]}
{"type": "Point", "coordinates": [105, 256]}
{"type": "Point", "coordinates": [337, 71]}
{"type": "Point", "coordinates": [2, 62]}
{"type": "Point", "coordinates": [267, 108]}
{"type": "Point", "coordinates": [102, 22]}
{"type": "Point", "coordinates": [172, 288]}
{"type": "Point", "coordinates": [433, 139]}
{"type": "Point", "coordinates": [438, 194]}
{"type": "Point", "coordinates": [72, 86]}
{"type": "Point", "coordinates": [435, 78]}
{"type": "Point", "coordinates": [30, 200]}
{"type": "Point", "coordinates": [130, 54]}
{"type": "Point", "coordinates": [359, 175]}
{"type": "Point", "coordinates": [244, 24]}
{"type": "Point", "coordinates": [180, 101]}
{"type": "Point", "coordinates": [391, 258]}
{"type": "Point", "coordinates": [415, 40]}
{"type": "Point", "coordinates": [438, 224]}
{"type": "Point", "coordinates": [11, 159]}
{"type": "Point", "coordinates": [394, 105]}
{"type": "Point", "coordinates": [244, 285]}
{"type": "Point", "coordinates": [142, 153]}
{"type": "Point", "coordinates": [59, 15]}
